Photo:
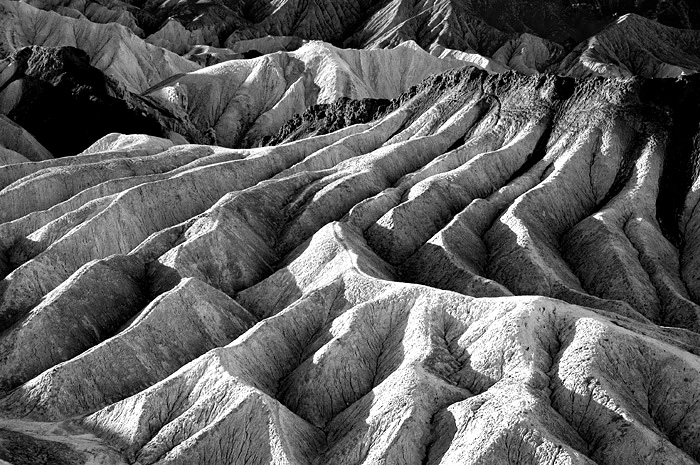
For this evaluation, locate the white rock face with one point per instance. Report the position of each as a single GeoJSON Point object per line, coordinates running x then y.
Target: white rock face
{"type": "Point", "coordinates": [529, 54]}
{"type": "Point", "coordinates": [174, 37]}
{"type": "Point", "coordinates": [249, 99]}
{"type": "Point", "coordinates": [102, 12]}
{"type": "Point", "coordinates": [502, 270]}
{"type": "Point", "coordinates": [112, 48]}
{"type": "Point", "coordinates": [143, 144]}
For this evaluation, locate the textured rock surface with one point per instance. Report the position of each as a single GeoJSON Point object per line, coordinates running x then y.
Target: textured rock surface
{"type": "Point", "coordinates": [112, 48]}
{"type": "Point", "coordinates": [453, 24]}
{"type": "Point", "coordinates": [102, 11]}
{"type": "Point", "coordinates": [575, 20]}
{"type": "Point", "coordinates": [14, 137]}
{"type": "Point", "coordinates": [529, 54]}
{"type": "Point", "coordinates": [67, 104]}
{"type": "Point", "coordinates": [497, 35]}
{"type": "Point", "coordinates": [325, 118]}
{"type": "Point", "coordinates": [501, 269]}
{"type": "Point", "coordinates": [635, 46]}
{"type": "Point", "coordinates": [476, 25]}
{"type": "Point", "coordinates": [243, 101]}
{"type": "Point", "coordinates": [174, 37]}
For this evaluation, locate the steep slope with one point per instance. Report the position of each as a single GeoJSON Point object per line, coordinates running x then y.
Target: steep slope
{"type": "Point", "coordinates": [524, 35]}
{"type": "Point", "coordinates": [502, 269]}
{"type": "Point", "coordinates": [246, 100]}
{"type": "Point", "coordinates": [112, 48]}
{"type": "Point", "coordinates": [635, 46]}
{"type": "Point", "coordinates": [14, 138]}
{"type": "Point", "coordinates": [476, 25]}
{"type": "Point", "coordinates": [529, 54]}
{"type": "Point", "coordinates": [448, 23]}
{"type": "Point", "coordinates": [67, 104]}
{"type": "Point", "coordinates": [325, 118]}
{"type": "Point", "coordinates": [379, 24]}
{"type": "Point", "coordinates": [575, 20]}
{"type": "Point", "coordinates": [102, 11]}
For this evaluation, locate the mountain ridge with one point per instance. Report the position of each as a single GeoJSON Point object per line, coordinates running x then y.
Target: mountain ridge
{"type": "Point", "coordinates": [488, 271]}
{"type": "Point", "coordinates": [479, 246]}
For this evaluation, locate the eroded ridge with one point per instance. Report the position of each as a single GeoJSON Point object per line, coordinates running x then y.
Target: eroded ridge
{"type": "Point", "coordinates": [502, 269]}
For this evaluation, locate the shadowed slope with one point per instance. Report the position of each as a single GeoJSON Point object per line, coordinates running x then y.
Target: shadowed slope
{"type": "Point", "coordinates": [112, 48]}
{"type": "Point", "coordinates": [503, 267]}
{"type": "Point", "coordinates": [54, 92]}
{"type": "Point", "coordinates": [635, 46]}
{"type": "Point", "coordinates": [246, 100]}
{"type": "Point", "coordinates": [524, 35]}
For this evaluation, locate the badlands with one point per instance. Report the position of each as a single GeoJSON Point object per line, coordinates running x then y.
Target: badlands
{"type": "Point", "coordinates": [394, 232]}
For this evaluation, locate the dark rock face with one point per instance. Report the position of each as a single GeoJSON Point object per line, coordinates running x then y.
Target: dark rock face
{"type": "Point", "coordinates": [67, 104]}
{"type": "Point", "coordinates": [22, 449]}
{"type": "Point", "coordinates": [325, 118]}
{"type": "Point", "coordinates": [498, 268]}
{"type": "Point", "coordinates": [244, 101]}
{"type": "Point", "coordinates": [634, 46]}
{"type": "Point", "coordinates": [488, 269]}
{"type": "Point", "coordinates": [572, 21]}
{"type": "Point", "coordinates": [481, 25]}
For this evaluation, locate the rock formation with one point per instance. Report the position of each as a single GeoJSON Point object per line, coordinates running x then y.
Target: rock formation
{"type": "Point", "coordinates": [529, 54]}
{"type": "Point", "coordinates": [430, 232]}
{"type": "Point", "coordinates": [102, 11]}
{"type": "Point", "coordinates": [269, 73]}
{"type": "Point", "coordinates": [500, 268]}
{"type": "Point", "coordinates": [325, 118]}
{"type": "Point", "coordinates": [246, 100]}
{"type": "Point", "coordinates": [112, 48]}
{"type": "Point", "coordinates": [576, 20]}
{"type": "Point", "coordinates": [635, 46]}
{"type": "Point", "coordinates": [614, 37]}
{"type": "Point", "coordinates": [54, 92]}
{"type": "Point", "coordinates": [16, 144]}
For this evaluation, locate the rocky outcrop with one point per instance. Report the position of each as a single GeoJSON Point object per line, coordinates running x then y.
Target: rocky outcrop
{"type": "Point", "coordinates": [102, 12]}
{"type": "Point", "coordinates": [201, 317]}
{"type": "Point", "coordinates": [325, 118]}
{"type": "Point", "coordinates": [529, 54]}
{"type": "Point", "coordinates": [499, 268]}
{"type": "Point", "coordinates": [174, 37]}
{"type": "Point", "coordinates": [574, 21]}
{"type": "Point", "coordinates": [112, 48]}
{"type": "Point", "coordinates": [204, 55]}
{"type": "Point", "coordinates": [635, 46]}
{"type": "Point", "coordinates": [477, 25]}
{"type": "Point", "coordinates": [244, 101]}
{"type": "Point", "coordinates": [265, 45]}
{"type": "Point", "coordinates": [14, 138]}
{"type": "Point", "coordinates": [52, 92]}
{"type": "Point", "coordinates": [525, 35]}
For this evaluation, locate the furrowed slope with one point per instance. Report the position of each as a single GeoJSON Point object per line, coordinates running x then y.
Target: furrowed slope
{"type": "Point", "coordinates": [103, 12]}
{"type": "Point", "coordinates": [381, 24]}
{"type": "Point", "coordinates": [635, 46]}
{"type": "Point", "coordinates": [502, 269]}
{"type": "Point", "coordinates": [654, 38]}
{"type": "Point", "coordinates": [246, 100]}
{"type": "Point", "coordinates": [475, 25]}
{"type": "Point", "coordinates": [112, 48]}
{"type": "Point", "coordinates": [67, 104]}
{"type": "Point", "coordinates": [575, 20]}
